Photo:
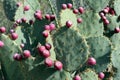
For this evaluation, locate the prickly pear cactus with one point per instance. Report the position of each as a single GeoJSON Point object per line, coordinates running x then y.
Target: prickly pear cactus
{"type": "Point", "coordinates": [59, 40]}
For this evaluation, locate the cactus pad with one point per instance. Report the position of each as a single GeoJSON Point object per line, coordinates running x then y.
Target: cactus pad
{"type": "Point", "coordinates": [70, 48]}
{"type": "Point", "coordinates": [91, 25]}
{"type": "Point", "coordinates": [89, 75]}
{"type": "Point", "coordinates": [100, 49]}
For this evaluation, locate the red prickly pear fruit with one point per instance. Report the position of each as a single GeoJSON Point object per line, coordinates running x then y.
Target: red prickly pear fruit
{"type": "Point", "coordinates": [17, 57]}
{"type": "Point", "coordinates": [117, 30]}
{"type": "Point", "coordinates": [41, 49]}
{"type": "Point", "coordinates": [26, 54]}
{"type": "Point", "coordinates": [52, 26]}
{"type": "Point", "coordinates": [48, 46]}
{"type": "Point", "coordinates": [81, 10]}
{"type": "Point", "coordinates": [1, 44]}
{"type": "Point", "coordinates": [104, 18]}
{"type": "Point", "coordinates": [112, 11]}
{"type": "Point", "coordinates": [101, 14]}
{"type": "Point", "coordinates": [106, 21]}
{"type": "Point", "coordinates": [64, 6]}
{"type": "Point", "coordinates": [48, 62]}
{"type": "Point", "coordinates": [91, 61]}
{"type": "Point", "coordinates": [2, 29]}
{"type": "Point", "coordinates": [31, 22]}
{"type": "Point", "coordinates": [12, 31]}
{"type": "Point", "coordinates": [77, 77]}
{"type": "Point", "coordinates": [38, 11]}
{"type": "Point", "coordinates": [38, 16]}
{"type": "Point", "coordinates": [47, 27]}
{"type": "Point", "coordinates": [75, 11]}
{"type": "Point", "coordinates": [68, 24]}
{"type": "Point", "coordinates": [52, 17]}
{"type": "Point", "coordinates": [101, 75]}
{"type": "Point", "coordinates": [18, 21]}
{"type": "Point", "coordinates": [22, 45]}
{"type": "Point", "coordinates": [18, 4]}
{"type": "Point", "coordinates": [105, 11]}
{"type": "Point", "coordinates": [47, 16]}
{"type": "Point", "coordinates": [26, 8]}
{"type": "Point", "coordinates": [69, 5]}
{"type": "Point", "coordinates": [23, 19]}
{"type": "Point", "coordinates": [79, 20]}
{"type": "Point", "coordinates": [14, 36]}
{"type": "Point", "coordinates": [14, 25]}
{"type": "Point", "coordinates": [45, 53]}
{"type": "Point", "coordinates": [58, 65]}
{"type": "Point", "coordinates": [45, 33]}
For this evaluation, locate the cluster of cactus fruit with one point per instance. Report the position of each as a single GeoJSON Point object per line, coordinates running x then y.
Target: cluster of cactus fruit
{"type": "Point", "coordinates": [76, 40]}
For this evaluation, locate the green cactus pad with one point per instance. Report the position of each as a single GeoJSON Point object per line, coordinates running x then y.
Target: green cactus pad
{"type": "Point", "coordinates": [60, 75]}
{"type": "Point", "coordinates": [66, 15]}
{"type": "Point", "coordinates": [89, 75]}
{"type": "Point", "coordinates": [113, 22]}
{"type": "Point", "coordinates": [97, 5]}
{"type": "Point", "coordinates": [10, 8]}
{"type": "Point", "coordinates": [116, 6]}
{"type": "Point", "coordinates": [115, 58]}
{"type": "Point", "coordinates": [9, 66]}
{"type": "Point", "coordinates": [91, 25]}
{"type": "Point", "coordinates": [115, 39]}
{"type": "Point", "coordinates": [70, 48]}
{"type": "Point", "coordinates": [20, 13]}
{"type": "Point", "coordinates": [100, 49]}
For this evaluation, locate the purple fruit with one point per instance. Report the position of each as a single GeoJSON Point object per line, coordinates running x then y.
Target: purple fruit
{"type": "Point", "coordinates": [52, 26]}
{"type": "Point", "coordinates": [52, 17]}
{"type": "Point", "coordinates": [117, 30]}
{"type": "Point", "coordinates": [24, 19]}
{"type": "Point", "coordinates": [79, 20]}
{"type": "Point", "coordinates": [26, 8]}
{"type": "Point", "coordinates": [2, 29]}
{"type": "Point", "coordinates": [46, 53]}
{"type": "Point", "coordinates": [41, 49]}
{"type": "Point", "coordinates": [45, 33]}
{"type": "Point", "coordinates": [69, 5]}
{"type": "Point", "coordinates": [106, 21]}
{"type": "Point", "coordinates": [22, 45]}
{"type": "Point", "coordinates": [47, 27]}
{"type": "Point", "coordinates": [1, 44]}
{"type": "Point", "coordinates": [48, 62]}
{"type": "Point", "coordinates": [18, 4]}
{"type": "Point", "coordinates": [14, 36]}
{"type": "Point", "coordinates": [102, 14]}
{"type": "Point", "coordinates": [38, 11]}
{"type": "Point", "coordinates": [38, 16]}
{"type": "Point", "coordinates": [91, 61]}
{"type": "Point", "coordinates": [68, 24]}
{"type": "Point", "coordinates": [48, 46]}
{"type": "Point", "coordinates": [64, 6]}
{"type": "Point", "coordinates": [17, 57]}
{"type": "Point", "coordinates": [104, 18]}
{"type": "Point", "coordinates": [12, 30]}
{"type": "Point", "coordinates": [75, 11]}
{"type": "Point", "coordinates": [26, 53]}
{"type": "Point", "coordinates": [112, 11]}
{"type": "Point", "coordinates": [106, 10]}
{"type": "Point", "coordinates": [58, 65]}
{"type": "Point", "coordinates": [47, 16]}
{"type": "Point", "coordinates": [14, 25]}
{"type": "Point", "coordinates": [31, 22]}
{"type": "Point", "coordinates": [77, 77]}
{"type": "Point", "coordinates": [101, 75]}
{"type": "Point", "coordinates": [18, 21]}
{"type": "Point", "coordinates": [81, 10]}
